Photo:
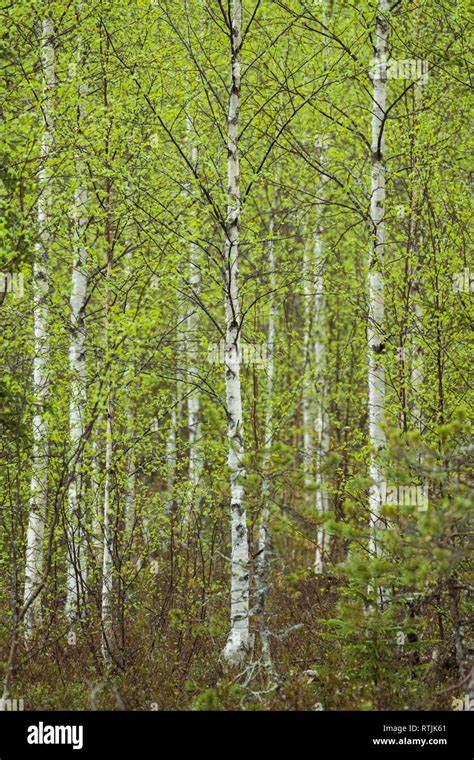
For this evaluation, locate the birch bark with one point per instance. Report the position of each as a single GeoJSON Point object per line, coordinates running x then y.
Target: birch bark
{"type": "Point", "coordinates": [39, 474]}
{"type": "Point", "coordinates": [416, 370]}
{"type": "Point", "coordinates": [107, 556]}
{"type": "Point", "coordinates": [194, 406]}
{"type": "Point", "coordinates": [108, 527]}
{"type": "Point", "coordinates": [321, 421]}
{"type": "Point", "coordinates": [107, 524]}
{"type": "Point", "coordinates": [237, 646]}
{"type": "Point", "coordinates": [130, 495]}
{"type": "Point", "coordinates": [375, 330]}
{"type": "Point", "coordinates": [97, 506]}
{"type": "Point", "coordinates": [264, 537]}
{"type": "Point", "coordinates": [130, 512]}
{"type": "Point", "coordinates": [308, 391]}
{"type": "Point", "coordinates": [171, 460]}
{"type": "Point", "coordinates": [77, 565]}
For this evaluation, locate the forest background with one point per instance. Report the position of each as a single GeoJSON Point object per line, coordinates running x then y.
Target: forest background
{"type": "Point", "coordinates": [235, 311]}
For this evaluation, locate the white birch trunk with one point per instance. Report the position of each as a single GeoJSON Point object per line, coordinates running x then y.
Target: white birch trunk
{"type": "Point", "coordinates": [108, 527]}
{"type": "Point", "coordinates": [237, 646]}
{"type": "Point", "coordinates": [194, 406]}
{"type": "Point", "coordinates": [107, 557]}
{"type": "Point", "coordinates": [130, 516]}
{"type": "Point", "coordinates": [171, 459]}
{"type": "Point", "coordinates": [264, 538]}
{"type": "Point", "coordinates": [321, 421]}
{"type": "Point", "coordinates": [416, 372]}
{"type": "Point", "coordinates": [77, 565]}
{"type": "Point", "coordinates": [416, 369]}
{"type": "Point", "coordinates": [375, 332]}
{"type": "Point", "coordinates": [39, 475]}
{"type": "Point", "coordinates": [97, 508]}
{"type": "Point", "coordinates": [308, 390]}
{"type": "Point", "coordinates": [130, 511]}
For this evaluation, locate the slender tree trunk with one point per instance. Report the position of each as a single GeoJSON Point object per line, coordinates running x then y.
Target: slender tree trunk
{"type": "Point", "coordinates": [464, 659]}
{"type": "Point", "coordinates": [108, 538]}
{"type": "Point", "coordinates": [375, 331]}
{"type": "Point", "coordinates": [308, 390]}
{"type": "Point", "coordinates": [130, 495]}
{"type": "Point", "coordinates": [39, 475]}
{"type": "Point", "coordinates": [237, 646]}
{"type": "Point", "coordinates": [97, 507]}
{"type": "Point", "coordinates": [109, 512]}
{"type": "Point", "coordinates": [414, 239]}
{"type": "Point", "coordinates": [321, 420]}
{"type": "Point", "coordinates": [171, 459]}
{"type": "Point", "coordinates": [264, 536]}
{"type": "Point", "coordinates": [314, 388]}
{"type": "Point", "coordinates": [130, 512]}
{"type": "Point", "coordinates": [194, 405]}
{"type": "Point", "coordinates": [108, 527]}
{"type": "Point", "coordinates": [77, 565]}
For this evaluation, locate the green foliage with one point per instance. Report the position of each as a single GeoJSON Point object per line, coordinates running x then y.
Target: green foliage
{"type": "Point", "coordinates": [139, 115]}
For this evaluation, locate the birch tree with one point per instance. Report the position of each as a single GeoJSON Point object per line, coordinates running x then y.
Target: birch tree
{"type": "Point", "coordinates": [238, 641]}
{"type": "Point", "coordinates": [108, 526]}
{"type": "Point", "coordinates": [376, 319]}
{"type": "Point", "coordinates": [77, 567]}
{"type": "Point", "coordinates": [264, 534]}
{"type": "Point", "coordinates": [108, 522]}
{"type": "Point", "coordinates": [194, 411]}
{"type": "Point", "coordinates": [308, 394]}
{"type": "Point", "coordinates": [321, 421]}
{"type": "Point", "coordinates": [39, 473]}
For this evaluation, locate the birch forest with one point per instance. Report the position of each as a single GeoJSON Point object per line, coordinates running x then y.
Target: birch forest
{"type": "Point", "coordinates": [235, 389]}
